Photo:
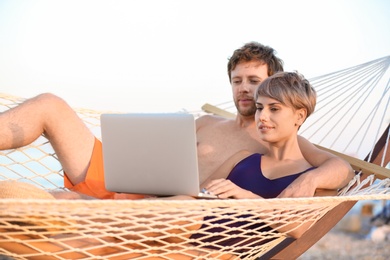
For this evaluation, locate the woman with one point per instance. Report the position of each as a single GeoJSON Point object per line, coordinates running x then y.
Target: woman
{"type": "Point", "coordinates": [283, 102]}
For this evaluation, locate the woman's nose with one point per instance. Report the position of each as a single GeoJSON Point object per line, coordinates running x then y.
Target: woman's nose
{"type": "Point", "coordinates": [260, 116]}
{"type": "Point", "coordinates": [263, 116]}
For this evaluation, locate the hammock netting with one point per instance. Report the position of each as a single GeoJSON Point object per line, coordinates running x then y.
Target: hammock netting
{"type": "Point", "coordinates": [33, 225]}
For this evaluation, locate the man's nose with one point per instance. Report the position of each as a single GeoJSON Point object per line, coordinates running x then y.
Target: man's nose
{"type": "Point", "coordinates": [244, 87]}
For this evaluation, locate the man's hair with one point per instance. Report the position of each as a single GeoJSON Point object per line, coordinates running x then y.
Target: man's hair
{"type": "Point", "coordinates": [290, 89]}
{"type": "Point", "coordinates": [254, 51]}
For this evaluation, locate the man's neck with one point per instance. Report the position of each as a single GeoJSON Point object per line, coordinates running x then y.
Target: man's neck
{"type": "Point", "coordinates": [245, 121]}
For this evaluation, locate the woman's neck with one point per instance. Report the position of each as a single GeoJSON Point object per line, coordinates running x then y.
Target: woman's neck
{"type": "Point", "coordinates": [284, 150]}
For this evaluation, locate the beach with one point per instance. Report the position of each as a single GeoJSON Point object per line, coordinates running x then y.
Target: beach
{"type": "Point", "coordinates": [362, 234]}
{"type": "Point", "coordinates": [338, 244]}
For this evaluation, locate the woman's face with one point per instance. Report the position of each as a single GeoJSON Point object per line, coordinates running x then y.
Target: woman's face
{"type": "Point", "coordinates": [275, 121]}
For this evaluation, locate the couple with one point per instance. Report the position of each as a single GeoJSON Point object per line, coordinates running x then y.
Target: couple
{"type": "Point", "coordinates": [80, 153]}
{"type": "Point", "coordinates": [256, 155]}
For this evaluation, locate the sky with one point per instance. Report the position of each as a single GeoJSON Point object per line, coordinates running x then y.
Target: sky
{"type": "Point", "coordinates": [168, 56]}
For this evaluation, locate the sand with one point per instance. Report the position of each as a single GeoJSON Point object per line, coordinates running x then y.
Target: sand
{"type": "Point", "coordinates": [343, 245]}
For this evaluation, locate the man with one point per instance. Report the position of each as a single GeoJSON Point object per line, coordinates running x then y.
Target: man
{"type": "Point", "coordinates": [80, 153]}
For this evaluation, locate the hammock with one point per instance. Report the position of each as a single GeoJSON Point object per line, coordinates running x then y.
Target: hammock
{"type": "Point", "coordinates": [35, 226]}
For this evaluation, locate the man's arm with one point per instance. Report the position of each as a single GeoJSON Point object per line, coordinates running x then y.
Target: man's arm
{"type": "Point", "coordinates": [332, 172]}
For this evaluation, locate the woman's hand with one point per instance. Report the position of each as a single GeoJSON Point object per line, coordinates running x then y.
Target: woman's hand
{"type": "Point", "coordinates": [226, 189]}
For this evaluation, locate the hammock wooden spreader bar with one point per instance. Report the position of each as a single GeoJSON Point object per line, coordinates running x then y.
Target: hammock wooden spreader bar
{"type": "Point", "coordinates": [33, 225]}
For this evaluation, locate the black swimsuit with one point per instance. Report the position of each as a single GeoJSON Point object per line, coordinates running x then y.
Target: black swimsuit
{"type": "Point", "coordinates": [248, 175]}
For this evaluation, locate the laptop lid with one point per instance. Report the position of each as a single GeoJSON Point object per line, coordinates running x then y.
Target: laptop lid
{"type": "Point", "coordinates": [150, 153]}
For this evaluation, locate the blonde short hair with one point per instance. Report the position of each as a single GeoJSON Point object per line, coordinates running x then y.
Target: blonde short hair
{"type": "Point", "coordinates": [290, 89]}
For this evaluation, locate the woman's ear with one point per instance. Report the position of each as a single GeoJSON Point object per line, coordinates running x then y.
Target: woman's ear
{"type": "Point", "coordinates": [301, 116]}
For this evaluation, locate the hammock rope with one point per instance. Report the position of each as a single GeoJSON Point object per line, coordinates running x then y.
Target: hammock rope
{"type": "Point", "coordinates": [355, 102]}
{"type": "Point", "coordinates": [40, 227]}
{"type": "Point", "coordinates": [144, 228]}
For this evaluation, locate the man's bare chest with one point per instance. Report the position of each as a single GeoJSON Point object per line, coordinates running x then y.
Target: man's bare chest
{"type": "Point", "coordinates": [225, 140]}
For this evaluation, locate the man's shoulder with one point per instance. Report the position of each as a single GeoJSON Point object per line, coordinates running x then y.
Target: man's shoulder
{"type": "Point", "coordinates": [210, 120]}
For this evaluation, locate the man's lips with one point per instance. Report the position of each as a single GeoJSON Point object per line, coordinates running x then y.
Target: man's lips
{"type": "Point", "coordinates": [246, 100]}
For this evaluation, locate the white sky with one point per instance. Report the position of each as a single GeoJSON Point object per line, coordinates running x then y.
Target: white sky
{"type": "Point", "coordinates": [155, 55]}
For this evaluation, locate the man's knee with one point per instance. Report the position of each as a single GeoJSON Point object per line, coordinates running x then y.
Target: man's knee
{"type": "Point", "coordinates": [51, 103]}
{"type": "Point", "coordinates": [49, 98]}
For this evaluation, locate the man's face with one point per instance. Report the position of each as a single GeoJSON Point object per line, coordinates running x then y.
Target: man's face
{"type": "Point", "coordinates": [245, 78]}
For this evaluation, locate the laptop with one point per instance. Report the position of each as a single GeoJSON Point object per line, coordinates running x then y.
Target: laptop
{"type": "Point", "coordinates": [151, 153]}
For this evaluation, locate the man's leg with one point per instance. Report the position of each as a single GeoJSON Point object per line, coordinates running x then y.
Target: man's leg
{"type": "Point", "coordinates": [50, 115]}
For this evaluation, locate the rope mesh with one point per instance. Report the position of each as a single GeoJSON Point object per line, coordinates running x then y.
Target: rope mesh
{"type": "Point", "coordinates": [152, 228]}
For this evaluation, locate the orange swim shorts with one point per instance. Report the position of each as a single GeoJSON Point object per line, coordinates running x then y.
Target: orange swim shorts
{"type": "Point", "coordinates": [93, 185]}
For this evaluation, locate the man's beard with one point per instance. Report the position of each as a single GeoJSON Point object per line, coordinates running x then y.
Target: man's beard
{"type": "Point", "coordinates": [251, 111]}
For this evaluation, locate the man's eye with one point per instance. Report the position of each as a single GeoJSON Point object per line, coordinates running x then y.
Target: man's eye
{"type": "Point", "coordinates": [236, 82]}
{"type": "Point", "coordinates": [255, 82]}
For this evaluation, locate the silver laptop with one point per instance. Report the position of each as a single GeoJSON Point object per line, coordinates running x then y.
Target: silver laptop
{"type": "Point", "coordinates": [151, 154]}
